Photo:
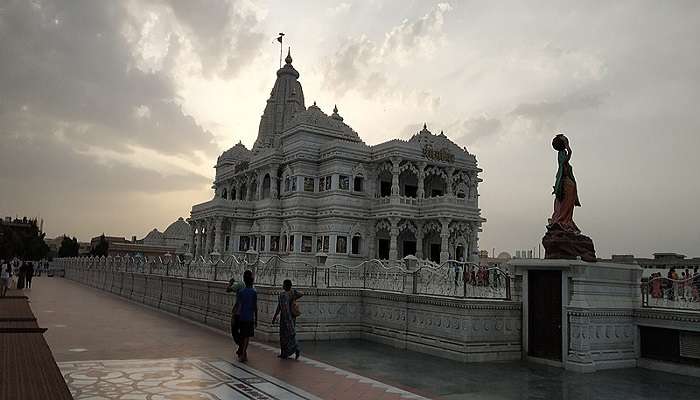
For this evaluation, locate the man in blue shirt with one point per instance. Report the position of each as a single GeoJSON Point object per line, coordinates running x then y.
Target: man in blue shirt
{"type": "Point", "coordinates": [247, 300]}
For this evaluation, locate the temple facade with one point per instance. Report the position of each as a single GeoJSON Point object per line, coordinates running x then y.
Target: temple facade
{"type": "Point", "coordinates": [311, 185]}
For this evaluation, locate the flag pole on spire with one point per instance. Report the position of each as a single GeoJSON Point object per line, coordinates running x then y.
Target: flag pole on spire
{"type": "Point", "coordinates": [280, 38]}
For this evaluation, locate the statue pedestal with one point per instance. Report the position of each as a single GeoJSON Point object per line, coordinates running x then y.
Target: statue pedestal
{"type": "Point", "coordinates": [561, 244]}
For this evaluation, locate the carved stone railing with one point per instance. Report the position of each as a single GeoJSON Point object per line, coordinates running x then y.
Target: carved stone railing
{"type": "Point", "coordinates": [451, 279]}
{"type": "Point", "coordinates": [370, 274]}
{"type": "Point", "coordinates": [462, 279]}
{"type": "Point", "coordinates": [661, 292]}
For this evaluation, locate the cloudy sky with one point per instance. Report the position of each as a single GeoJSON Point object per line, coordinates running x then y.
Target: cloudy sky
{"type": "Point", "coordinates": [112, 113]}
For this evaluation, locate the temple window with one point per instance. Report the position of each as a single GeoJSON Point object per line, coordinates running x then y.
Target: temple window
{"type": "Point", "coordinates": [294, 183]}
{"type": "Point", "coordinates": [274, 243]}
{"type": "Point", "coordinates": [328, 182]}
{"type": "Point", "coordinates": [358, 184]}
{"type": "Point", "coordinates": [308, 184]}
{"type": "Point", "coordinates": [224, 194]}
{"type": "Point", "coordinates": [344, 182]}
{"type": "Point", "coordinates": [244, 243]}
{"type": "Point", "coordinates": [306, 244]}
{"type": "Point", "coordinates": [355, 245]}
{"type": "Point", "coordinates": [286, 184]}
{"type": "Point", "coordinates": [291, 243]}
{"type": "Point", "coordinates": [226, 243]}
{"type": "Point", "coordinates": [322, 184]}
{"type": "Point", "coordinates": [255, 243]}
{"type": "Point", "coordinates": [341, 245]}
{"type": "Point", "coordinates": [322, 244]}
{"type": "Point", "coordinates": [266, 186]}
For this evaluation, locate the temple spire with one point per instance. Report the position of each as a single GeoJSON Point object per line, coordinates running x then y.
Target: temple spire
{"type": "Point", "coordinates": [288, 59]}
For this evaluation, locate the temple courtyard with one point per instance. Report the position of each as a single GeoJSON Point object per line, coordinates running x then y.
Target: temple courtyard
{"type": "Point", "coordinates": [110, 348]}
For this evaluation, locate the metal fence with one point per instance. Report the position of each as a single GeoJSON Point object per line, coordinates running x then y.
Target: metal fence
{"type": "Point", "coordinates": [450, 279]}
{"type": "Point", "coordinates": [680, 294]}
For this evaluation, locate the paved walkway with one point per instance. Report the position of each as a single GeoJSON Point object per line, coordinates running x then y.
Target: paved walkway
{"type": "Point", "coordinates": [86, 327]}
{"type": "Point", "coordinates": [87, 324]}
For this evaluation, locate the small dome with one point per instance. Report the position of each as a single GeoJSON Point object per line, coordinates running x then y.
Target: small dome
{"type": "Point", "coordinates": [178, 230]}
{"type": "Point", "coordinates": [154, 237]}
{"type": "Point", "coordinates": [235, 154]}
{"type": "Point", "coordinates": [504, 256]}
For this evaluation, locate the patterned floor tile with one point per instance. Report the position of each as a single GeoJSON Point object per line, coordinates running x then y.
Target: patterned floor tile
{"type": "Point", "coordinates": [173, 379]}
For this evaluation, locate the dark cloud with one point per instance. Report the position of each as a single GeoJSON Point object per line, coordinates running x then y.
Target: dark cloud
{"type": "Point", "coordinates": [223, 32]}
{"type": "Point", "coordinates": [68, 62]}
{"type": "Point", "coordinates": [51, 164]}
{"type": "Point", "coordinates": [551, 110]}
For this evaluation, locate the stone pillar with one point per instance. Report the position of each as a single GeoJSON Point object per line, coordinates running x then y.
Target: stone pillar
{"type": "Point", "coordinates": [419, 239]}
{"type": "Point", "coordinates": [259, 187]}
{"type": "Point", "coordinates": [193, 239]}
{"type": "Point", "coordinates": [371, 242]}
{"type": "Point", "coordinates": [273, 182]}
{"type": "Point", "coordinates": [251, 190]}
{"type": "Point", "coordinates": [445, 236]}
{"type": "Point", "coordinates": [218, 235]}
{"type": "Point", "coordinates": [395, 171]}
{"type": "Point", "coordinates": [394, 234]}
{"type": "Point", "coordinates": [231, 247]}
{"type": "Point", "coordinates": [448, 189]}
{"type": "Point", "coordinates": [208, 247]}
{"type": "Point", "coordinates": [474, 244]}
{"type": "Point", "coordinates": [200, 238]}
{"type": "Point", "coordinates": [421, 180]}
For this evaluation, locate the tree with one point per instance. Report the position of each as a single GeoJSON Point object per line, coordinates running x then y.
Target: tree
{"type": "Point", "coordinates": [101, 247]}
{"type": "Point", "coordinates": [22, 238]}
{"type": "Point", "coordinates": [69, 247]}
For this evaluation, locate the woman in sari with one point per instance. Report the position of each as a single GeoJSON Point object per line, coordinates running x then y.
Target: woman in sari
{"type": "Point", "coordinates": [285, 310]}
{"type": "Point", "coordinates": [565, 191]}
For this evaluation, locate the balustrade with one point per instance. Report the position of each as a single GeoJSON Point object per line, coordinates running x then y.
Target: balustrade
{"type": "Point", "coordinates": [450, 279]}
{"type": "Point", "coordinates": [662, 292]}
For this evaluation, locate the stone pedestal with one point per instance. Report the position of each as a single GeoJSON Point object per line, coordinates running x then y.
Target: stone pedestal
{"type": "Point", "coordinates": [598, 305]}
{"type": "Point", "coordinates": [560, 244]}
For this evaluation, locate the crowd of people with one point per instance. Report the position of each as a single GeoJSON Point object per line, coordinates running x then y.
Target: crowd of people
{"type": "Point", "coordinates": [244, 316]}
{"type": "Point", "coordinates": [683, 286]}
{"type": "Point", "coordinates": [18, 274]}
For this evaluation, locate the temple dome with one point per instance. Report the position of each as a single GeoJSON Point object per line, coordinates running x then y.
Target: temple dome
{"type": "Point", "coordinates": [425, 137]}
{"type": "Point", "coordinates": [235, 154]}
{"type": "Point", "coordinates": [314, 116]}
{"type": "Point", "coordinates": [155, 237]}
{"type": "Point", "coordinates": [177, 230]}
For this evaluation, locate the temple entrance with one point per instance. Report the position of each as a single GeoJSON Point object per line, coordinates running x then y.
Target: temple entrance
{"type": "Point", "coordinates": [544, 314]}
{"type": "Point", "coordinates": [435, 253]}
{"type": "Point", "coordinates": [383, 249]}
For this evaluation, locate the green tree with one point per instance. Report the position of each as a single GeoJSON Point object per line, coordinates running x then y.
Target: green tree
{"type": "Point", "coordinates": [101, 247]}
{"type": "Point", "coordinates": [69, 248]}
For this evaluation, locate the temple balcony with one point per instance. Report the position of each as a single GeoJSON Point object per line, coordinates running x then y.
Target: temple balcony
{"type": "Point", "coordinates": [218, 207]}
{"type": "Point", "coordinates": [426, 206]}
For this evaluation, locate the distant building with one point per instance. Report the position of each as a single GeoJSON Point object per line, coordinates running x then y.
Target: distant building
{"type": "Point", "coordinates": [660, 261]}
{"type": "Point", "coordinates": [173, 241]}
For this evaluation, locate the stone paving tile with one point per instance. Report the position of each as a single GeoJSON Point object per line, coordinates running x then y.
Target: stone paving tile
{"type": "Point", "coordinates": [85, 324]}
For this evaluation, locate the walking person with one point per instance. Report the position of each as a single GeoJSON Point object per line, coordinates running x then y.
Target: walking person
{"type": "Point", "coordinates": [21, 275]}
{"type": "Point", "coordinates": [5, 277]}
{"type": "Point", "coordinates": [234, 287]}
{"type": "Point", "coordinates": [247, 300]}
{"type": "Point", "coordinates": [288, 311]}
{"type": "Point", "coordinates": [29, 272]}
